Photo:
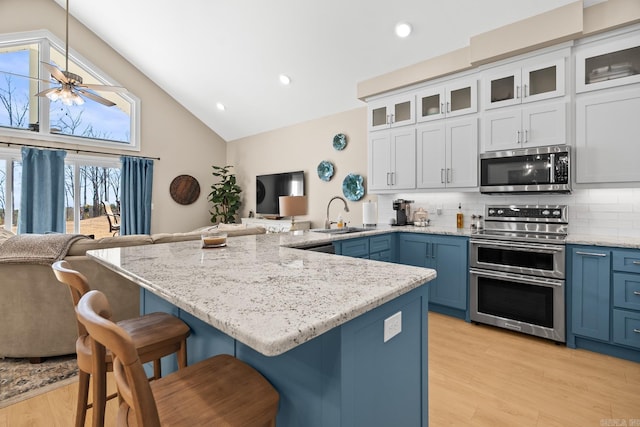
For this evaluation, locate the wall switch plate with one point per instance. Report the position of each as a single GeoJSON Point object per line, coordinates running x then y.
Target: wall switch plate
{"type": "Point", "coordinates": [392, 326]}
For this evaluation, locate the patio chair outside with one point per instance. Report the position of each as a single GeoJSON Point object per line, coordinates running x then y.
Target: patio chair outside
{"type": "Point", "coordinates": [114, 219]}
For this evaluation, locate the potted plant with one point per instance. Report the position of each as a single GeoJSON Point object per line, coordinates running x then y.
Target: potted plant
{"type": "Point", "coordinates": [225, 196]}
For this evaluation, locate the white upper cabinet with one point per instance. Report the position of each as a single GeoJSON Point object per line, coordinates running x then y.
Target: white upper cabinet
{"type": "Point", "coordinates": [452, 99]}
{"type": "Point", "coordinates": [391, 112]}
{"type": "Point", "coordinates": [392, 160]}
{"type": "Point", "coordinates": [607, 134]}
{"type": "Point", "coordinates": [532, 126]}
{"type": "Point", "coordinates": [609, 63]}
{"type": "Point", "coordinates": [533, 80]}
{"type": "Point", "coordinates": [448, 154]}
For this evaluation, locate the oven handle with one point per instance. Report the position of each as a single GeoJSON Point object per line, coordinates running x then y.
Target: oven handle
{"type": "Point", "coordinates": [531, 247]}
{"type": "Point", "coordinates": [517, 277]}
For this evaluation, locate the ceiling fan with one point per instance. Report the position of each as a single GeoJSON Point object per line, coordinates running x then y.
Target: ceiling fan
{"type": "Point", "coordinates": [71, 89]}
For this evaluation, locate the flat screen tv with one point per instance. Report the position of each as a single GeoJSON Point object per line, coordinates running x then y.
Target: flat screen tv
{"type": "Point", "coordinates": [270, 187]}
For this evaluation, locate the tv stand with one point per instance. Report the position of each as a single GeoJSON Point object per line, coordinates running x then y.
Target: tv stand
{"type": "Point", "coordinates": [277, 225]}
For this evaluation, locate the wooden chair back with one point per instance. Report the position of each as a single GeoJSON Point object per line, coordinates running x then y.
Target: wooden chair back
{"type": "Point", "coordinates": [94, 313]}
{"type": "Point", "coordinates": [77, 283]}
{"type": "Point", "coordinates": [114, 219]}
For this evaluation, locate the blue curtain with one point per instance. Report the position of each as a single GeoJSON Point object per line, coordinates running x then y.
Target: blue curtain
{"type": "Point", "coordinates": [136, 184]}
{"type": "Point", "coordinates": [42, 207]}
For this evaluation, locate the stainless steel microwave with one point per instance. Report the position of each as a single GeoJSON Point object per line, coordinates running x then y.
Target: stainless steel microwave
{"type": "Point", "coordinates": [530, 170]}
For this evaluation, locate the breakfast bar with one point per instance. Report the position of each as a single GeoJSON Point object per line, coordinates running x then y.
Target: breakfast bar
{"type": "Point", "coordinates": [343, 340]}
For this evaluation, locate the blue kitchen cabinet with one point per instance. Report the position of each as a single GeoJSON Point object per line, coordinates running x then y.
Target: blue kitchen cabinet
{"type": "Point", "coordinates": [381, 248]}
{"type": "Point", "coordinates": [350, 375]}
{"type": "Point", "coordinates": [355, 248]}
{"type": "Point", "coordinates": [626, 298]}
{"type": "Point", "coordinates": [603, 309]}
{"type": "Point", "coordinates": [590, 290]}
{"type": "Point", "coordinates": [449, 256]}
{"type": "Point", "coordinates": [375, 247]}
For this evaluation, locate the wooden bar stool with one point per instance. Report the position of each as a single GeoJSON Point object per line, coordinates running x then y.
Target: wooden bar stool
{"type": "Point", "coordinates": [220, 391]}
{"type": "Point", "coordinates": [154, 335]}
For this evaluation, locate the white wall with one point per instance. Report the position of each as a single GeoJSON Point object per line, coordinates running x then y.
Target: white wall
{"type": "Point", "coordinates": [183, 143]}
{"type": "Point", "coordinates": [302, 147]}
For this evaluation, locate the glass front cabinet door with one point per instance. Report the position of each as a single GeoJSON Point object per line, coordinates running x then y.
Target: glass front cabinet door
{"type": "Point", "coordinates": [391, 112]}
{"type": "Point", "coordinates": [611, 63]}
{"type": "Point", "coordinates": [448, 100]}
{"type": "Point", "coordinates": [531, 82]}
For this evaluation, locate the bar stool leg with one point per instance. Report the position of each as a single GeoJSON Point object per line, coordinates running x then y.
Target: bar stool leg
{"type": "Point", "coordinates": [99, 390]}
{"type": "Point", "coordinates": [83, 397]}
{"type": "Point", "coordinates": [182, 355]}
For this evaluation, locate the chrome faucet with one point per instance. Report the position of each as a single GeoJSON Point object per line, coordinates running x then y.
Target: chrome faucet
{"type": "Point", "coordinates": [327, 223]}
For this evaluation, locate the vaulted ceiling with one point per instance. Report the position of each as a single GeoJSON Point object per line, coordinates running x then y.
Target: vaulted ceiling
{"type": "Point", "coordinates": [204, 52]}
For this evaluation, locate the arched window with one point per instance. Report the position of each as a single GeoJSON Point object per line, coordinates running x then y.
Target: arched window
{"type": "Point", "coordinates": [21, 57]}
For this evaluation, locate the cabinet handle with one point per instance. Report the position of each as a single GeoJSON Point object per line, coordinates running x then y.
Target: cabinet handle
{"type": "Point", "coordinates": [526, 135]}
{"type": "Point", "coordinates": [524, 92]}
{"type": "Point", "coordinates": [442, 176]}
{"type": "Point", "coordinates": [637, 331]}
{"type": "Point", "coordinates": [441, 108]}
{"type": "Point", "coordinates": [448, 175]}
{"type": "Point", "coordinates": [518, 92]}
{"type": "Point", "coordinates": [517, 137]}
{"type": "Point", "coordinates": [636, 262]}
{"type": "Point", "coordinates": [590, 254]}
{"type": "Point", "coordinates": [388, 178]}
{"type": "Point", "coordinates": [391, 121]}
{"type": "Point", "coordinates": [393, 178]}
{"type": "Point", "coordinates": [448, 107]}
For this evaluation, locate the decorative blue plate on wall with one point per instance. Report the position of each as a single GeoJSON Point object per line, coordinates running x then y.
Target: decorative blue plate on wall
{"type": "Point", "coordinates": [325, 170]}
{"type": "Point", "coordinates": [352, 187]}
{"type": "Point", "coordinates": [340, 141]}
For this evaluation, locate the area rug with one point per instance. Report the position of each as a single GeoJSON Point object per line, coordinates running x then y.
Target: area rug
{"type": "Point", "coordinates": [21, 380]}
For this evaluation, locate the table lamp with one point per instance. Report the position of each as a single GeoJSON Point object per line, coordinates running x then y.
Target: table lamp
{"type": "Point", "coordinates": [292, 206]}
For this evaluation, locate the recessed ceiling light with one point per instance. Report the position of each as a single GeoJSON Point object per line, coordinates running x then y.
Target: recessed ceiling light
{"type": "Point", "coordinates": [403, 29]}
{"type": "Point", "coordinates": [284, 79]}
{"type": "Point", "coordinates": [220, 106]}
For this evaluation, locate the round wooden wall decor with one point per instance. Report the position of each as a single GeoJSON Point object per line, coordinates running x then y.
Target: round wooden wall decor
{"type": "Point", "coordinates": [184, 189]}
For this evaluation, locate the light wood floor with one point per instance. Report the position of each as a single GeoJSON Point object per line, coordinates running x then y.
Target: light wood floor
{"type": "Point", "coordinates": [478, 376]}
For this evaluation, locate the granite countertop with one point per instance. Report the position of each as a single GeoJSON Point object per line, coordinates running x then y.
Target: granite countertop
{"type": "Point", "coordinates": [613, 241]}
{"type": "Point", "coordinates": [259, 291]}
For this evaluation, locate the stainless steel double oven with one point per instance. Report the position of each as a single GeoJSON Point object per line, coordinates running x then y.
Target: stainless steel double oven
{"type": "Point", "coordinates": [517, 270]}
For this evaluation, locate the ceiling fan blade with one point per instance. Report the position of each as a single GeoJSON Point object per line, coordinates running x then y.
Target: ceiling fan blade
{"type": "Point", "coordinates": [96, 98]}
{"type": "Point", "coordinates": [46, 91]}
{"type": "Point", "coordinates": [55, 73]}
{"type": "Point", "coordinates": [103, 87]}
{"type": "Point", "coordinates": [25, 77]}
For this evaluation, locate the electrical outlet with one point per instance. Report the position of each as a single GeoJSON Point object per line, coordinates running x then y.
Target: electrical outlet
{"type": "Point", "coordinates": [392, 326]}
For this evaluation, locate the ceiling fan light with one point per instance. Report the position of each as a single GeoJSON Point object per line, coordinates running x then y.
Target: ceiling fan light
{"type": "Point", "coordinates": [77, 99]}
{"type": "Point", "coordinates": [54, 95]}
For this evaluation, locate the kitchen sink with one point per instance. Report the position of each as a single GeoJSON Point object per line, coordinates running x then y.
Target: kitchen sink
{"type": "Point", "coordinates": [344, 230]}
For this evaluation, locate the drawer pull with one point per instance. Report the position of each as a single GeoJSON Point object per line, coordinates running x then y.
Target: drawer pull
{"type": "Point", "coordinates": [636, 293]}
{"type": "Point", "coordinates": [590, 254]}
{"type": "Point", "coordinates": [637, 331]}
{"type": "Point", "coordinates": [636, 263]}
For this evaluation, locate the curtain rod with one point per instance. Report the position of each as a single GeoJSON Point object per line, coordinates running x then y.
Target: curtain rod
{"type": "Point", "coordinates": [76, 150]}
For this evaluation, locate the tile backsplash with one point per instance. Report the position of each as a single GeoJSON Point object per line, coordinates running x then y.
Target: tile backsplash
{"type": "Point", "coordinates": [598, 212]}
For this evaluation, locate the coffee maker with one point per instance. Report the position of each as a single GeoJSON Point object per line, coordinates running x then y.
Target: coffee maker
{"type": "Point", "coordinates": [403, 211]}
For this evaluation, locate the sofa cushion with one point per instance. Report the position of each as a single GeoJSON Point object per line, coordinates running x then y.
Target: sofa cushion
{"type": "Point", "coordinates": [175, 237]}
{"type": "Point", "coordinates": [82, 246]}
{"type": "Point", "coordinates": [4, 235]}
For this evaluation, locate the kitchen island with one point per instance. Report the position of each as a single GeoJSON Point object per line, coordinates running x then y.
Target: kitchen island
{"type": "Point", "coordinates": [343, 340]}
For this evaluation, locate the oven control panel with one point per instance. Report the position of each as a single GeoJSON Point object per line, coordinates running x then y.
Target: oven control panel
{"type": "Point", "coordinates": [557, 213]}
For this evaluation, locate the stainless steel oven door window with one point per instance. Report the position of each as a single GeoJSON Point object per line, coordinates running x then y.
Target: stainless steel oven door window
{"type": "Point", "coordinates": [525, 304]}
{"type": "Point", "coordinates": [523, 258]}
